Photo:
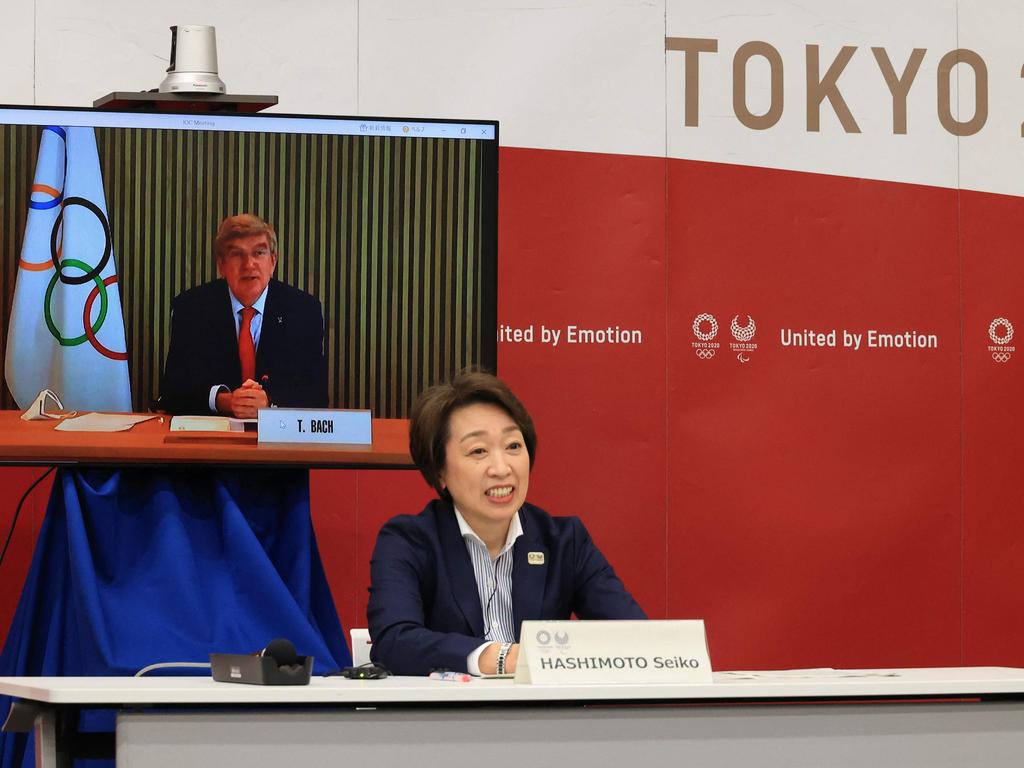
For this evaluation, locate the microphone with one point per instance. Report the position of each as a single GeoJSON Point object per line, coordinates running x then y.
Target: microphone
{"type": "Point", "coordinates": [276, 664]}
{"type": "Point", "coordinates": [265, 383]}
{"type": "Point", "coordinates": [281, 651]}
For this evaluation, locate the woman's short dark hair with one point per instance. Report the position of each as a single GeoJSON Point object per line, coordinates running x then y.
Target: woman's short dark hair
{"type": "Point", "coordinates": [429, 425]}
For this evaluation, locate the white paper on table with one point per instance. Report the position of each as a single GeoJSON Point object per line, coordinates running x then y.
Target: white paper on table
{"type": "Point", "coordinates": [103, 422]}
{"type": "Point", "coordinates": [808, 674]}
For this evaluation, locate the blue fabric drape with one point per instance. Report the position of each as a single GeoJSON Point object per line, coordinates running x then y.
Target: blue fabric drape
{"type": "Point", "coordinates": [137, 566]}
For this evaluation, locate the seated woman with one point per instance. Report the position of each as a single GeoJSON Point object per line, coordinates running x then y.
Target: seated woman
{"type": "Point", "coordinates": [451, 585]}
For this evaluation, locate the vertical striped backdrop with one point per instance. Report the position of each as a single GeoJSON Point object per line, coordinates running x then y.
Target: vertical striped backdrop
{"type": "Point", "coordinates": [395, 236]}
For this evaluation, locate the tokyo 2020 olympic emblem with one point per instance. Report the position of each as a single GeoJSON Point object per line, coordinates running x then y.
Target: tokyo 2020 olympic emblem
{"type": "Point", "coordinates": [1000, 338]}
{"type": "Point", "coordinates": [1000, 331]}
{"type": "Point", "coordinates": [705, 327]}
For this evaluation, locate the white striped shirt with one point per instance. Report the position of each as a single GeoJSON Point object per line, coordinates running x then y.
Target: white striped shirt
{"type": "Point", "coordinates": [493, 580]}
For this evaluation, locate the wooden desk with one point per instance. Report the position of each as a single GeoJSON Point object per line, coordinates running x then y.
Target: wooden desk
{"type": "Point", "coordinates": [151, 443]}
{"type": "Point", "coordinates": [912, 717]}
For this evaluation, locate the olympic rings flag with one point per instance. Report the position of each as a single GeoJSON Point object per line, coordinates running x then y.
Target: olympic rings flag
{"type": "Point", "coordinates": [66, 330]}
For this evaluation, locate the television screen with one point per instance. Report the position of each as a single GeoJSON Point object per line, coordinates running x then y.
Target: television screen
{"type": "Point", "coordinates": [389, 223]}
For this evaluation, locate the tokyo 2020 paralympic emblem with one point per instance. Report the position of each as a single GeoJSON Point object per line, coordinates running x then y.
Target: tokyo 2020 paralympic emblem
{"type": "Point", "coordinates": [743, 335]}
{"type": "Point", "coordinates": [743, 332]}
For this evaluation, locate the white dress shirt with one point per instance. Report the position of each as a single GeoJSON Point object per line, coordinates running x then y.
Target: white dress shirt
{"type": "Point", "coordinates": [493, 584]}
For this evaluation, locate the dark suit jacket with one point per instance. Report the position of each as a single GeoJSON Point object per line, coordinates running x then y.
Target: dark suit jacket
{"type": "Point", "coordinates": [204, 349]}
{"type": "Point", "coordinates": [425, 611]}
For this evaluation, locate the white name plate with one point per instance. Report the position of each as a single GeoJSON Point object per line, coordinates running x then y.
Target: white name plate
{"type": "Point", "coordinates": [314, 425]}
{"type": "Point", "coordinates": [613, 652]}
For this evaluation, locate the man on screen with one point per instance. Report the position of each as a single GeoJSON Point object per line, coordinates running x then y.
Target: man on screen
{"type": "Point", "coordinates": [244, 341]}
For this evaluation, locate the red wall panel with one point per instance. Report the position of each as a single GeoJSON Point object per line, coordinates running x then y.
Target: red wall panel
{"type": "Point", "coordinates": [14, 482]}
{"type": "Point", "coordinates": [581, 242]}
{"type": "Point", "coordinates": [993, 418]}
{"type": "Point", "coordinates": [813, 495]}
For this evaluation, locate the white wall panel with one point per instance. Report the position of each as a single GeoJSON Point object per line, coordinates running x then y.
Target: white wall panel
{"type": "Point", "coordinates": [576, 75]}
{"type": "Point", "coordinates": [925, 154]}
{"type": "Point", "coordinates": [16, 53]}
{"type": "Point", "coordinates": [589, 75]}
{"type": "Point", "coordinates": [993, 159]}
{"type": "Point", "coordinates": [304, 52]}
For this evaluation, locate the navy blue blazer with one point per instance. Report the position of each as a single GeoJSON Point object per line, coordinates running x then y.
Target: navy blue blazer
{"type": "Point", "coordinates": [425, 610]}
{"type": "Point", "coordinates": [204, 349]}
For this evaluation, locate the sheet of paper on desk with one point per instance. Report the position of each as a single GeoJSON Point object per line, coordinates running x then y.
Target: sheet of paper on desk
{"type": "Point", "coordinates": [808, 674]}
{"type": "Point", "coordinates": [208, 424]}
{"type": "Point", "coordinates": [103, 422]}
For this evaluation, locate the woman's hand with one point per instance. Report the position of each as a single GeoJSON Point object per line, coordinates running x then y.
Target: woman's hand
{"type": "Point", "coordinates": [488, 660]}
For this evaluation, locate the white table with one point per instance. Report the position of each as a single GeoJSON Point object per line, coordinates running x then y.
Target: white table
{"type": "Point", "coordinates": [910, 717]}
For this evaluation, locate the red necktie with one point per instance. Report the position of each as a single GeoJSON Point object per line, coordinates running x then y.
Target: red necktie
{"type": "Point", "coordinates": [246, 349]}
